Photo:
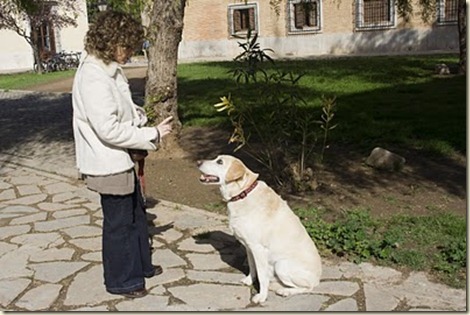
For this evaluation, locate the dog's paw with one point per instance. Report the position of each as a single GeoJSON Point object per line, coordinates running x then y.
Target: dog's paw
{"type": "Point", "coordinates": [283, 292]}
{"type": "Point", "coordinates": [259, 298]}
{"type": "Point", "coordinates": [247, 280]}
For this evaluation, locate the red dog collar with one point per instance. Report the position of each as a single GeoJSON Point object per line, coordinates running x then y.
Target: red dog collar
{"type": "Point", "coordinates": [244, 193]}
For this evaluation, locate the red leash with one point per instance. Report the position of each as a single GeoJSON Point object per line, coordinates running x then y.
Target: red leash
{"type": "Point", "coordinates": [140, 175]}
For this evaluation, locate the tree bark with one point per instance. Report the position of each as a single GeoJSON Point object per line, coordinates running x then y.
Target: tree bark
{"type": "Point", "coordinates": [462, 24]}
{"type": "Point", "coordinates": [161, 91]}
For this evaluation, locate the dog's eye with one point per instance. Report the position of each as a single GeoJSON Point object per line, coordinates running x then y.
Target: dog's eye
{"type": "Point", "coordinates": [219, 161]}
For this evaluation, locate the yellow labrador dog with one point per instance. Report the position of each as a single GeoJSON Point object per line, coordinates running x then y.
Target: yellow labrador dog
{"type": "Point", "coordinates": [276, 242]}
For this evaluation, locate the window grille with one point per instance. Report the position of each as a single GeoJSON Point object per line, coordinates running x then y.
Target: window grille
{"type": "Point", "coordinates": [447, 12]}
{"type": "Point", "coordinates": [375, 14]}
{"type": "Point", "coordinates": [304, 16]}
{"type": "Point", "coordinates": [242, 19]}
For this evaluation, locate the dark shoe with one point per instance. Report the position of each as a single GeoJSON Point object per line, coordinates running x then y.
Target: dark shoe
{"type": "Point", "coordinates": [156, 271]}
{"type": "Point", "coordinates": [135, 294]}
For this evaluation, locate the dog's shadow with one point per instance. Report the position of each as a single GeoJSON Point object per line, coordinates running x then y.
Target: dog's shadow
{"type": "Point", "coordinates": [231, 251]}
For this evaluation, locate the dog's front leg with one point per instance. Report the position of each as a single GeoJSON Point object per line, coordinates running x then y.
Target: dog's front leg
{"type": "Point", "coordinates": [248, 280]}
{"type": "Point", "coordinates": [260, 257]}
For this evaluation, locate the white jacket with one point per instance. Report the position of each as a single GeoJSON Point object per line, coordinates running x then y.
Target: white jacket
{"type": "Point", "coordinates": [106, 121]}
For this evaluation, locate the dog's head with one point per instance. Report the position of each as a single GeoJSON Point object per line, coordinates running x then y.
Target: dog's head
{"type": "Point", "coordinates": [228, 172]}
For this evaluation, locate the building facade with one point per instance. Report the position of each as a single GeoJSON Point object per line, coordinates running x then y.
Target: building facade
{"type": "Point", "coordinates": [16, 54]}
{"type": "Point", "coordinates": [319, 27]}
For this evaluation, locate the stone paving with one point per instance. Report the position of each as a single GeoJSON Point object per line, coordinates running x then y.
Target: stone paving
{"type": "Point", "coordinates": [50, 241]}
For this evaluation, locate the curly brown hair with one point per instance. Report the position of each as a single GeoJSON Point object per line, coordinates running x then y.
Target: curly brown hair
{"type": "Point", "coordinates": [110, 30]}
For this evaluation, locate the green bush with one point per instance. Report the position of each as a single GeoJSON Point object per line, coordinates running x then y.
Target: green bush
{"type": "Point", "coordinates": [430, 243]}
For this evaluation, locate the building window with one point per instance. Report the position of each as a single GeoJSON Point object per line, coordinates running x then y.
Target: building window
{"type": "Point", "coordinates": [304, 16]}
{"type": "Point", "coordinates": [447, 12]}
{"type": "Point", "coordinates": [243, 18]}
{"type": "Point", "coordinates": [375, 14]}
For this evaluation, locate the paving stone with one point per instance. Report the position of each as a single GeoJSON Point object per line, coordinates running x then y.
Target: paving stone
{"type": "Point", "coordinates": [87, 288]}
{"type": "Point", "coordinates": [211, 261]}
{"type": "Point", "coordinates": [52, 254]}
{"type": "Point", "coordinates": [149, 303]}
{"type": "Point", "coordinates": [15, 265]}
{"type": "Point", "coordinates": [293, 303]}
{"type": "Point", "coordinates": [95, 256]}
{"type": "Point", "coordinates": [5, 216]}
{"type": "Point", "coordinates": [212, 297]}
{"type": "Point", "coordinates": [26, 179]}
{"type": "Point", "coordinates": [92, 206]}
{"type": "Point", "coordinates": [342, 288]}
{"type": "Point", "coordinates": [58, 224]}
{"type": "Point", "coordinates": [330, 272]}
{"type": "Point", "coordinates": [28, 200]}
{"type": "Point", "coordinates": [28, 190]}
{"type": "Point", "coordinates": [215, 276]}
{"type": "Point", "coordinates": [4, 185]}
{"type": "Point", "coordinates": [55, 271]}
{"type": "Point", "coordinates": [101, 308]}
{"type": "Point", "coordinates": [59, 188]}
{"type": "Point", "coordinates": [69, 213]}
{"type": "Point", "coordinates": [167, 259]}
{"type": "Point", "coordinates": [61, 197]}
{"type": "Point", "coordinates": [92, 244]}
{"type": "Point", "coordinates": [191, 245]}
{"type": "Point", "coordinates": [157, 290]}
{"type": "Point", "coordinates": [40, 298]}
{"type": "Point", "coordinates": [19, 209]}
{"type": "Point", "coordinates": [76, 201]}
{"type": "Point", "coordinates": [7, 231]}
{"type": "Point", "coordinates": [169, 275]}
{"type": "Point", "coordinates": [7, 194]}
{"type": "Point", "coordinates": [6, 247]}
{"type": "Point", "coordinates": [99, 214]}
{"type": "Point", "coordinates": [11, 288]}
{"type": "Point", "coordinates": [379, 299]}
{"type": "Point", "coordinates": [170, 235]}
{"type": "Point", "coordinates": [346, 305]}
{"type": "Point", "coordinates": [39, 240]}
{"type": "Point", "coordinates": [83, 231]}
{"type": "Point", "coordinates": [419, 291]}
{"type": "Point", "coordinates": [29, 218]}
{"type": "Point", "coordinates": [49, 206]}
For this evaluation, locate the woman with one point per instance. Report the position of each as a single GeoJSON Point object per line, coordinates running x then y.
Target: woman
{"type": "Point", "coordinates": [106, 123]}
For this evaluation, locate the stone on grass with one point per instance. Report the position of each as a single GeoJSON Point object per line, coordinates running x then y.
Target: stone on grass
{"type": "Point", "coordinates": [383, 159]}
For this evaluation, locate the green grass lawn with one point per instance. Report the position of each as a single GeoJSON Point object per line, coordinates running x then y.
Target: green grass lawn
{"type": "Point", "coordinates": [392, 101]}
{"type": "Point", "coordinates": [21, 81]}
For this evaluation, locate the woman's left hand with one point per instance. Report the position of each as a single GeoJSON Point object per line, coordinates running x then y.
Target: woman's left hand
{"type": "Point", "coordinates": [165, 127]}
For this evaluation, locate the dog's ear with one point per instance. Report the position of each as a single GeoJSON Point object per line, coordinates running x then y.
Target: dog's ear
{"type": "Point", "coordinates": [235, 172]}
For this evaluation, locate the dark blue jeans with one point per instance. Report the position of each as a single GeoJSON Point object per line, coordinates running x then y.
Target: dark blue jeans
{"type": "Point", "coordinates": [126, 249]}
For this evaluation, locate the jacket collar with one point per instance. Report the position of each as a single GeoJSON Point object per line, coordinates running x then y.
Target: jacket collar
{"type": "Point", "coordinates": [110, 69]}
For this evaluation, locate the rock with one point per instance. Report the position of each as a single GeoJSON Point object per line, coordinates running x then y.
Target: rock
{"type": "Point", "coordinates": [385, 160]}
{"type": "Point", "coordinates": [442, 69]}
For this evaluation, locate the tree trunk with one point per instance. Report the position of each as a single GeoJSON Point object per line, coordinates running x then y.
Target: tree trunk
{"type": "Point", "coordinates": [462, 24]}
{"type": "Point", "coordinates": [34, 45]}
{"type": "Point", "coordinates": [165, 31]}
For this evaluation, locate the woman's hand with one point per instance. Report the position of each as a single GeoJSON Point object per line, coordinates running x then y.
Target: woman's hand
{"type": "Point", "coordinates": [165, 127]}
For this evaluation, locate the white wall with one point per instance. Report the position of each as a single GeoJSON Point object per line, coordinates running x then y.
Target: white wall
{"type": "Point", "coordinates": [16, 55]}
{"type": "Point", "coordinates": [15, 52]}
{"type": "Point", "coordinates": [72, 38]}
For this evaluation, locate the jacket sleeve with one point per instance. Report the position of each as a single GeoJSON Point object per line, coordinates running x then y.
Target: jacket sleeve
{"type": "Point", "coordinates": [103, 114]}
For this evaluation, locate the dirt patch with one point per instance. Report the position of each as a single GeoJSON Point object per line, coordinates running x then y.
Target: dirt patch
{"type": "Point", "coordinates": [425, 185]}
